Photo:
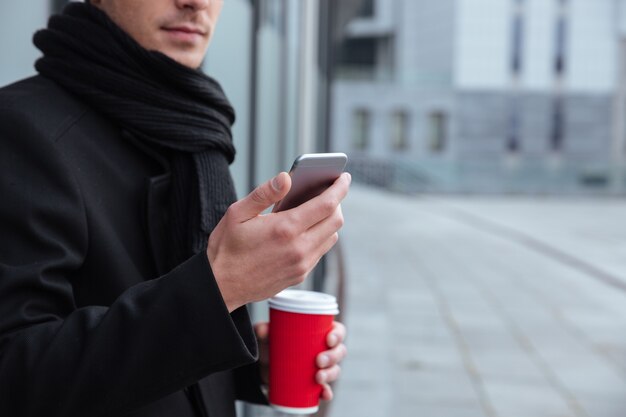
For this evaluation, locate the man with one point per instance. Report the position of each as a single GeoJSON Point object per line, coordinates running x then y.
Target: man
{"type": "Point", "coordinates": [114, 171]}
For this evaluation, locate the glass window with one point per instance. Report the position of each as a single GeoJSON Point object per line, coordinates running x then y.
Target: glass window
{"type": "Point", "coordinates": [513, 131]}
{"type": "Point", "coordinates": [370, 58]}
{"type": "Point", "coordinates": [437, 122]}
{"type": "Point", "coordinates": [400, 130]}
{"type": "Point", "coordinates": [367, 9]}
{"type": "Point", "coordinates": [557, 133]}
{"type": "Point", "coordinates": [517, 40]}
{"type": "Point", "coordinates": [559, 50]}
{"type": "Point", "coordinates": [271, 13]}
{"type": "Point", "coordinates": [359, 52]}
{"type": "Point", "coordinates": [57, 5]}
{"type": "Point", "coordinates": [361, 129]}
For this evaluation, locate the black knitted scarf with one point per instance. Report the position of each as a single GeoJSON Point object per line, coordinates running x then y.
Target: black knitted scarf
{"type": "Point", "coordinates": [155, 100]}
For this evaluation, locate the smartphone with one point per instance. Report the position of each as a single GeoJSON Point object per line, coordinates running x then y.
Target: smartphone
{"type": "Point", "coordinates": [311, 174]}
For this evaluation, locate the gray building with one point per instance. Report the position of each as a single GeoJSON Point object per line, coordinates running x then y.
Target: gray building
{"type": "Point", "coordinates": [483, 95]}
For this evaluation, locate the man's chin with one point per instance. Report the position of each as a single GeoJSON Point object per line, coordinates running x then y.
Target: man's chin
{"type": "Point", "coordinates": [193, 61]}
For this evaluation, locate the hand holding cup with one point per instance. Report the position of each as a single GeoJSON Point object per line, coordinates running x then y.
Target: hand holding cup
{"type": "Point", "coordinates": [305, 346]}
{"type": "Point", "coordinates": [328, 362]}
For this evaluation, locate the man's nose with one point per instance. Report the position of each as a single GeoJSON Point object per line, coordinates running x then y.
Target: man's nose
{"type": "Point", "coordinates": [193, 4]}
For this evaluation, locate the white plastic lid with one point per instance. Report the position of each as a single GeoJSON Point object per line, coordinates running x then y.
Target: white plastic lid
{"type": "Point", "coordinates": [304, 302]}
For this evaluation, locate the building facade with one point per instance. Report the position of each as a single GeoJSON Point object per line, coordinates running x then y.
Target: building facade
{"type": "Point", "coordinates": [484, 95]}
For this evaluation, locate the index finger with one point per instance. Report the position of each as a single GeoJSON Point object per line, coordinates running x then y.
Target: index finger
{"type": "Point", "coordinates": [315, 210]}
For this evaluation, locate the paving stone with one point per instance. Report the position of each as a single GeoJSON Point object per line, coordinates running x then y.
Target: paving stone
{"type": "Point", "coordinates": [429, 356]}
{"type": "Point", "coordinates": [527, 399]}
{"type": "Point", "coordinates": [416, 385]}
{"type": "Point", "coordinates": [603, 406]}
{"type": "Point", "coordinates": [507, 365]}
{"type": "Point", "coordinates": [590, 377]}
{"type": "Point", "coordinates": [451, 314]}
{"type": "Point", "coordinates": [469, 409]}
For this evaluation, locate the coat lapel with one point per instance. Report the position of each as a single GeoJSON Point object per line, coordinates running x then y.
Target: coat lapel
{"type": "Point", "coordinates": [157, 209]}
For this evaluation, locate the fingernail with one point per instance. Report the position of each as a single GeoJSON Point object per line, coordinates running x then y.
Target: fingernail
{"type": "Point", "coordinates": [324, 360]}
{"type": "Point", "coordinates": [349, 177]}
{"type": "Point", "coordinates": [332, 340]}
{"type": "Point", "coordinates": [277, 183]}
{"type": "Point", "coordinates": [321, 377]}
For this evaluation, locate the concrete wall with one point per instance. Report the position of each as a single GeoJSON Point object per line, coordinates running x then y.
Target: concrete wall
{"type": "Point", "coordinates": [481, 121]}
{"type": "Point", "coordinates": [482, 44]}
{"type": "Point", "coordinates": [539, 45]}
{"type": "Point", "coordinates": [425, 43]}
{"type": "Point", "coordinates": [383, 100]}
{"type": "Point", "coordinates": [592, 47]}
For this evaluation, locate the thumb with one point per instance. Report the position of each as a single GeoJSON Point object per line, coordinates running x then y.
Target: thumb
{"type": "Point", "coordinates": [263, 197]}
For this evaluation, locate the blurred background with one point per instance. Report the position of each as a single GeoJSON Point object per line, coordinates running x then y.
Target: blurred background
{"type": "Point", "coordinates": [482, 268]}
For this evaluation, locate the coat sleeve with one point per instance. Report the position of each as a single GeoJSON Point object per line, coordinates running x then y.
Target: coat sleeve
{"type": "Point", "coordinates": [60, 360]}
{"type": "Point", "coordinates": [248, 385]}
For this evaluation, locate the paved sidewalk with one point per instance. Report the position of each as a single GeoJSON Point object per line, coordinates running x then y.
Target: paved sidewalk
{"type": "Point", "coordinates": [495, 307]}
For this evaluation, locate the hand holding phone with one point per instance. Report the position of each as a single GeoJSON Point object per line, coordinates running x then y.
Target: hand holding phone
{"type": "Point", "coordinates": [311, 174]}
{"type": "Point", "coordinates": [253, 257]}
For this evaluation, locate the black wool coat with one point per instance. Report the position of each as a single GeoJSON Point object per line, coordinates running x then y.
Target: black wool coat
{"type": "Point", "coordinates": [91, 321]}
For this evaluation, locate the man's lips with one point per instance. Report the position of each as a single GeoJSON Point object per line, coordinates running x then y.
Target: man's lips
{"type": "Point", "coordinates": [186, 29]}
{"type": "Point", "coordinates": [185, 33]}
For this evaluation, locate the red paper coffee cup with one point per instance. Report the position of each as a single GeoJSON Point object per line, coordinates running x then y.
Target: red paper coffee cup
{"type": "Point", "coordinates": [299, 323]}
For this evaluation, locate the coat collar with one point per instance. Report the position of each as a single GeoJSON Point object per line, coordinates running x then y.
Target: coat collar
{"type": "Point", "coordinates": [156, 210]}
